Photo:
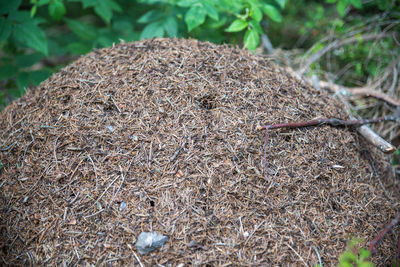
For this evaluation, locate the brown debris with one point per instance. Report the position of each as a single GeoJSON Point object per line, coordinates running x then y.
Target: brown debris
{"type": "Point", "coordinates": [169, 127]}
{"type": "Point", "coordinates": [362, 91]}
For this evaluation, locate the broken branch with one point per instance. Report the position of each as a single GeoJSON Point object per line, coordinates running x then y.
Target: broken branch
{"type": "Point", "coordinates": [366, 132]}
{"type": "Point", "coordinates": [333, 122]}
{"type": "Point", "coordinates": [364, 91]}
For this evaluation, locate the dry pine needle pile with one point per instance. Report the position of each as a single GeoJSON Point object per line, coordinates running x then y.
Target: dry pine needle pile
{"type": "Point", "coordinates": [168, 128]}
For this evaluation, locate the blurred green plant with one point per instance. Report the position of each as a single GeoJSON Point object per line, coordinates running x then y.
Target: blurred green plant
{"type": "Point", "coordinates": [396, 158]}
{"type": "Point", "coordinates": [357, 40]}
{"type": "Point", "coordinates": [354, 256]}
{"type": "Point", "coordinates": [38, 37]}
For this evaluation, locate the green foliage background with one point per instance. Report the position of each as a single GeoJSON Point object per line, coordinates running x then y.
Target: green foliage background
{"type": "Point", "coordinates": [38, 37]}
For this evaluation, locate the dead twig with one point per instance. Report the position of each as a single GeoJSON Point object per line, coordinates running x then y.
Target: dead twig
{"type": "Point", "coordinates": [377, 94]}
{"type": "Point", "coordinates": [332, 122]}
{"type": "Point", "coordinates": [298, 255]}
{"type": "Point", "coordinates": [364, 130]}
{"type": "Point", "coordinates": [382, 233]}
{"type": "Point", "coordinates": [363, 91]}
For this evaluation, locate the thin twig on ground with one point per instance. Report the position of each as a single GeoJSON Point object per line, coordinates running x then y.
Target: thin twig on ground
{"type": "Point", "coordinates": [319, 122]}
{"type": "Point", "coordinates": [333, 122]}
{"type": "Point", "coordinates": [382, 233]}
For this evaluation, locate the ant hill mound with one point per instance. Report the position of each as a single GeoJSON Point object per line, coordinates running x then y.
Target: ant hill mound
{"type": "Point", "coordinates": [161, 135]}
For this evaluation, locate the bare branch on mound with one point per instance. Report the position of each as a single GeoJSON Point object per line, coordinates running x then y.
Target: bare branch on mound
{"type": "Point", "coordinates": [333, 122]}
{"type": "Point", "coordinates": [366, 132]}
{"type": "Point", "coordinates": [369, 134]}
{"type": "Point", "coordinates": [376, 140]}
{"type": "Point", "coordinates": [382, 233]}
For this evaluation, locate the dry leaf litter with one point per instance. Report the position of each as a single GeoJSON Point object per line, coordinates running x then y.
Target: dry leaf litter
{"type": "Point", "coordinates": [161, 135]}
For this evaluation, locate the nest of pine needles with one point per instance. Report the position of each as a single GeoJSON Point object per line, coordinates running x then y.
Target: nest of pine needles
{"type": "Point", "coordinates": [161, 135]}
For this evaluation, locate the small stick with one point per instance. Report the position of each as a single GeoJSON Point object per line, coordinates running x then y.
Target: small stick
{"type": "Point", "coordinates": [376, 140]}
{"type": "Point", "coordinates": [381, 234]}
{"type": "Point", "coordinates": [333, 122]}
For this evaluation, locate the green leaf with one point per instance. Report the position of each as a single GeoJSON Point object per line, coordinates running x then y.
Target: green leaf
{"type": "Point", "coordinates": [86, 3]}
{"type": "Point", "coordinates": [237, 25]}
{"type": "Point", "coordinates": [365, 264]}
{"type": "Point", "coordinates": [32, 36]}
{"type": "Point", "coordinates": [356, 3]}
{"type": "Point", "coordinates": [348, 256]}
{"type": "Point", "coordinates": [132, 36]}
{"type": "Point", "coordinates": [171, 26]}
{"type": "Point", "coordinates": [7, 71]}
{"type": "Point", "coordinates": [33, 11]}
{"type": "Point", "coordinates": [84, 31]}
{"type": "Point", "coordinates": [154, 29]}
{"type": "Point", "coordinates": [256, 13]}
{"type": "Point", "coordinates": [364, 254]}
{"type": "Point", "coordinates": [104, 12]}
{"type": "Point", "coordinates": [281, 3]}
{"type": "Point", "coordinates": [211, 11]}
{"type": "Point", "coordinates": [38, 76]}
{"type": "Point", "coordinates": [218, 24]}
{"type": "Point", "coordinates": [24, 61]}
{"type": "Point", "coordinates": [79, 48]}
{"type": "Point", "coordinates": [57, 10]}
{"type": "Point", "coordinates": [382, 4]}
{"type": "Point", "coordinates": [187, 3]}
{"type": "Point", "coordinates": [23, 81]}
{"type": "Point", "coordinates": [5, 29]}
{"type": "Point", "coordinates": [43, 2]}
{"type": "Point", "coordinates": [6, 6]}
{"type": "Point", "coordinates": [341, 7]}
{"type": "Point", "coordinates": [152, 15]}
{"type": "Point", "coordinates": [272, 12]}
{"type": "Point", "coordinates": [107, 38]}
{"type": "Point", "coordinates": [20, 16]}
{"type": "Point", "coordinates": [317, 47]}
{"type": "Point", "coordinates": [330, 1]}
{"type": "Point", "coordinates": [256, 25]}
{"type": "Point", "coordinates": [251, 39]}
{"type": "Point", "coordinates": [105, 8]}
{"type": "Point", "coordinates": [359, 68]}
{"type": "Point", "coordinates": [345, 264]}
{"type": "Point", "coordinates": [372, 69]}
{"type": "Point", "coordinates": [354, 241]}
{"type": "Point", "coordinates": [122, 25]}
{"type": "Point", "coordinates": [194, 17]}
{"type": "Point", "coordinates": [112, 4]}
